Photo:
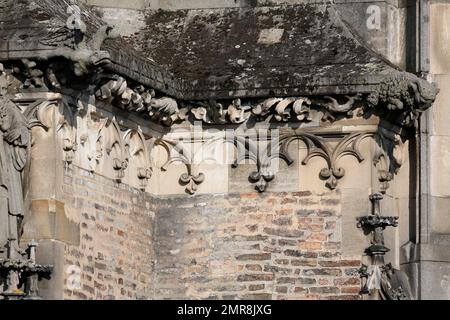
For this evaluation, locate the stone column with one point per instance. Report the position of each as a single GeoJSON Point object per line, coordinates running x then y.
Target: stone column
{"type": "Point", "coordinates": [429, 260]}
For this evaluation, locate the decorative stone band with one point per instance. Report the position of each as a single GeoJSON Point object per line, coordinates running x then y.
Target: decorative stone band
{"type": "Point", "coordinates": [106, 144]}
{"type": "Point", "coordinates": [318, 146]}
{"type": "Point", "coordinates": [97, 144]}
{"type": "Point", "coordinates": [398, 99]}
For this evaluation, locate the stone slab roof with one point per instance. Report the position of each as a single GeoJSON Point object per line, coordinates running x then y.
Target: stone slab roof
{"type": "Point", "coordinates": [212, 53]}
{"type": "Point", "coordinates": [28, 27]}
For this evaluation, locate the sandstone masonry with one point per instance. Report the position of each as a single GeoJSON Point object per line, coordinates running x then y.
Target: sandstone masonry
{"type": "Point", "coordinates": [279, 245]}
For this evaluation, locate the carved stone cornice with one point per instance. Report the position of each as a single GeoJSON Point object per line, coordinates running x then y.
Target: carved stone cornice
{"type": "Point", "coordinates": [73, 55]}
{"type": "Point", "coordinates": [400, 98]}
{"type": "Point", "coordinates": [122, 147]}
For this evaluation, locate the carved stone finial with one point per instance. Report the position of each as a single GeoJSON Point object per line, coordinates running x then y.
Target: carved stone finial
{"type": "Point", "coordinates": [381, 281]}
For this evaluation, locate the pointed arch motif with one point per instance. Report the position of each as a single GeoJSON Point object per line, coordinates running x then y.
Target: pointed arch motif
{"type": "Point", "coordinates": [139, 158]}
{"type": "Point", "coordinates": [111, 146]}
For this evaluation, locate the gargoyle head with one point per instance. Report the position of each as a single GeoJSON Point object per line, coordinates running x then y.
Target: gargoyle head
{"type": "Point", "coordinates": [425, 93]}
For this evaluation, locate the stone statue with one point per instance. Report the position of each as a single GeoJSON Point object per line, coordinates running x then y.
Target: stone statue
{"type": "Point", "coordinates": [14, 153]}
{"type": "Point", "coordinates": [19, 272]}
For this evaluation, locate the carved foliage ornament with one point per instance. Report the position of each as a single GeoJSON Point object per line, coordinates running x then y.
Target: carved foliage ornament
{"type": "Point", "coordinates": [167, 111]}
{"type": "Point", "coordinates": [399, 98]}
{"type": "Point", "coordinates": [163, 110]}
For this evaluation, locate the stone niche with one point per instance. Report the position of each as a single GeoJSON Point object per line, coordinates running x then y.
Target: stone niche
{"type": "Point", "coordinates": [148, 182]}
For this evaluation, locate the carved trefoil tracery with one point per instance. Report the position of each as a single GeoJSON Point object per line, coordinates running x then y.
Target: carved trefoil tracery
{"type": "Point", "coordinates": [102, 145]}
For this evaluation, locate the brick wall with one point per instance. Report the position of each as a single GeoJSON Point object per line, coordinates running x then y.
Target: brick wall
{"type": "Point", "coordinates": [115, 256]}
{"type": "Point", "coordinates": [262, 246]}
{"type": "Point", "coordinates": [225, 246]}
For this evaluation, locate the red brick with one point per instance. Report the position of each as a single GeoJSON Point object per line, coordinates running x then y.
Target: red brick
{"type": "Point", "coordinates": [281, 289]}
{"type": "Point", "coordinates": [302, 194]}
{"type": "Point", "coordinates": [340, 263]}
{"type": "Point", "coordinates": [324, 290]}
{"type": "Point", "coordinates": [343, 297]}
{"type": "Point", "coordinates": [352, 290]}
{"type": "Point", "coordinates": [256, 287]}
{"type": "Point", "coordinates": [347, 281]}
{"type": "Point", "coordinates": [256, 277]}
{"type": "Point", "coordinates": [255, 256]}
{"type": "Point", "coordinates": [308, 245]}
{"type": "Point", "coordinates": [318, 237]}
{"type": "Point", "coordinates": [253, 267]}
{"type": "Point", "coordinates": [304, 262]}
{"type": "Point", "coordinates": [300, 290]}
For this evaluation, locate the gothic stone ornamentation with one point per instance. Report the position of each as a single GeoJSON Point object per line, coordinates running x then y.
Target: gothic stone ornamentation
{"type": "Point", "coordinates": [400, 99]}
{"type": "Point", "coordinates": [177, 153]}
{"type": "Point", "coordinates": [85, 55]}
{"type": "Point", "coordinates": [405, 96]}
{"type": "Point", "coordinates": [129, 150]}
{"type": "Point", "coordinates": [167, 111]}
{"type": "Point", "coordinates": [21, 274]}
{"type": "Point", "coordinates": [316, 146]}
{"type": "Point", "coordinates": [17, 268]}
{"type": "Point", "coordinates": [102, 145]}
{"type": "Point", "coordinates": [400, 93]}
{"type": "Point", "coordinates": [162, 110]}
{"type": "Point", "coordinates": [14, 155]}
{"type": "Point", "coordinates": [388, 157]}
{"type": "Point", "coordinates": [382, 281]}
